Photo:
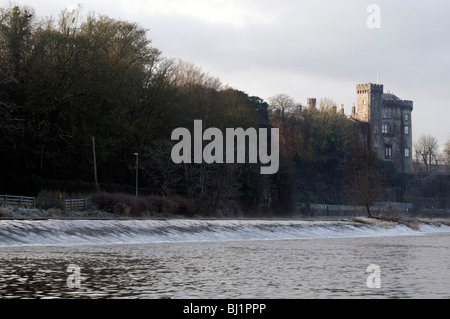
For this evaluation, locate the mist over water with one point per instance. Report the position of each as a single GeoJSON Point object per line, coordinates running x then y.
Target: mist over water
{"type": "Point", "coordinates": [221, 259]}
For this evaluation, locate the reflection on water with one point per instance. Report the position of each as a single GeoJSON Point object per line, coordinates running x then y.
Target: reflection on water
{"type": "Point", "coordinates": [411, 267]}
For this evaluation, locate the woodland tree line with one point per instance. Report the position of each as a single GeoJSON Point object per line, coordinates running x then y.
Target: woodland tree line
{"type": "Point", "coordinates": [66, 80]}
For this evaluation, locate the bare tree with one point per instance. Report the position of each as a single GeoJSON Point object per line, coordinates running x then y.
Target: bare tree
{"type": "Point", "coordinates": [9, 122]}
{"type": "Point", "coordinates": [445, 155]}
{"type": "Point", "coordinates": [367, 180]}
{"type": "Point", "coordinates": [284, 105]}
{"type": "Point", "coordinates": [285, 114]}
{"type": "Point", "coordinates": [326, 104]}
{"type": "Point", "coordinates": [426, 150]}
{"type": "Point", "coordinates": [187, 73]}
{"type": "Point", "coordinates": [283, 111]}
{"type": "Point", "coordinates": [160, 171]}
{"type": "Point", "coordinates": [16, 25]}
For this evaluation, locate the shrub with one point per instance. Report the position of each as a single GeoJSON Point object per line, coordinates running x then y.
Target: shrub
{"type": "Point", "coordinates": [49, 199]}
{"type": "Point", "coordinates": [156, 203]}
{"type": "Point", "coordinates": [130, 205]}
{"type": "Point", "coordinates": [390, 214]}
{"type": "Point", "coordinates": [54, 212]}
{"type": "Point", "coordinates": [122, 204]}
{"type": "Point", "coordinates": [4, 211]}
{"type": "Point", "coordinates": [174, 205]}
{"type": "Point", "coordinates": [122, 209]}
{"type": "Point", "coordinates": [184, 206]}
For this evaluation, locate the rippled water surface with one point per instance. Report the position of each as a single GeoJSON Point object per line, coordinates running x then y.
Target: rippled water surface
{"type": "Point", "coordinates": [411, 267]}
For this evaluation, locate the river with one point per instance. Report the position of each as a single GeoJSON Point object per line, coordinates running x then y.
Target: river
{"type": "Point", "coordinates": [262, 259]}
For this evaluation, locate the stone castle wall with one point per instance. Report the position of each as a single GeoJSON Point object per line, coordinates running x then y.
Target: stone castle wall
{"type": "Point", "coordinates": [390, 121]}
{"type": "Point", "coordinates": [391, 124]}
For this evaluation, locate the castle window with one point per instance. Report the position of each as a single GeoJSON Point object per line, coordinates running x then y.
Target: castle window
{"type": "Point", "coordinates": [386, 113]}
{"type": "Point", "coordinates": [385, 128]}
{"type": "Point", "coordinates": [388, 151]}
{"type": "Point", "coordinates": [406, 130]}
{"type": "Point", "coordinates": [364, 102]}
{"type": "Point", "coordinates": [407, 152]}
{"type": "Point", "coordinates": [406, 118]}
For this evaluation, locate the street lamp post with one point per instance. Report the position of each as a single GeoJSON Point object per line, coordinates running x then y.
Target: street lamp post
{"type": "Point", "coordinates": [137, 170]}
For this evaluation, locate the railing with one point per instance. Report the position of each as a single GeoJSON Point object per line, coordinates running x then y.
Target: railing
{"type": "Point", "coordinates": [374, 206]}
{"type": "Point", "coordinates": [76, 204]}
{"type": "Point", "coordinates": [21, 201]}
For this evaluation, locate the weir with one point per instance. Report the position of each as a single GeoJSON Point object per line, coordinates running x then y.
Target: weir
{"type": "Point", "coordinates": [105, 232]}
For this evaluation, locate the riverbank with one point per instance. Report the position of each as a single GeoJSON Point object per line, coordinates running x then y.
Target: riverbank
{"type": "Point", "coordinates": [412, 221]}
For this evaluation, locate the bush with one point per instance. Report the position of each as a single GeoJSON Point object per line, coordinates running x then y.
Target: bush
{"type": "Point", "coordinates": [184, 206]}
{"type": "Point", "coordinates": [122, 204]}
{"type": "Point", "coordinates": [130, 205]}
{"type": "Point", "coordinates": [52, 212]}
{"type": "Point", "coordinates": [390, 214]}
{"type": "Point", "coordinates": [156, 202]}
{"type": "Point", "coordinates": [174, 205]}
{"type": "Point", "coordinates": [5, 212]}
{"type": "Point", "coordinates": [49, 199]}
{"type": "Point", "coordinates": [122, 209]}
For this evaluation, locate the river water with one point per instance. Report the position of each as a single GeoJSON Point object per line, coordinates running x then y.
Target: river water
{"type": "Point", "coordinates": [221, 259]}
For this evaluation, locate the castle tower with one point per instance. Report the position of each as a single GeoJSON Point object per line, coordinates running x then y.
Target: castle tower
{"type": "Point", "coordinates": [390, 122]}
{"type": "Point", "coordinates": [369, 102]}
{"type": "Point", "coordinates": [370, 105]}
{"type": "Point", "coordinates": [311, 103]}
{"type": "Point", "coordinates": [397, 131]}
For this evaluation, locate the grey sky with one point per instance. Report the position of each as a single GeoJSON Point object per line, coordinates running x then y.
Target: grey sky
{"type": "Point", "coordinates": [307, 48]}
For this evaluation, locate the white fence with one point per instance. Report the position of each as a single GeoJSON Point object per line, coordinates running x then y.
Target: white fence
{"type": "Point", "coordinates": [21, 201]}
{"type": "Point", "coordinates": [77, 204]}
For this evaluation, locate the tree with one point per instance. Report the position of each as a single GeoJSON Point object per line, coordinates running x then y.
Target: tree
{"type": "Point", "coordinates": [366, 174]}
{"type": "Point", "coordinates": [16, 27]}
{"type": "Point", "coordinates": [283, 106]}
{"type": "Point", "coordinates": [161, 174]}
{"type": "Point", "coordinates": [445, 155]}
{"type": "Point", "coordinates": [326, 104]}
{"type": "Point", "coordinates": [262, 107]}
{"type": "Point", "coordinates": [15, 37]}
{"type": "Point", "coordinates": [426, 149]}
{"type": "Point", "coordinates": [16, 42]}
{"type": "Point", "coordinates": [9, 123]}
{"type": "Point", "coordinates": [188, 74]}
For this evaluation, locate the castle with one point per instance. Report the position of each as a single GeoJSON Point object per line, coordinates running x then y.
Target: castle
{"type": "Point", "coordinates": [390, 121]}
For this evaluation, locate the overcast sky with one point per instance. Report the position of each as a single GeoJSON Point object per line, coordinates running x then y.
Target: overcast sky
{"type": "Point", "coordinates": [303, 48]}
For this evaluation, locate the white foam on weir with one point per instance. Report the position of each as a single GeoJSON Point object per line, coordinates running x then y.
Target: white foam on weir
{"type": "Point", "coordinates": [104, 232]}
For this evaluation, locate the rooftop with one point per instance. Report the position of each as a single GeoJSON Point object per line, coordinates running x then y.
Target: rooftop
{"type": "Point", "coordinates": [390, 96]}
